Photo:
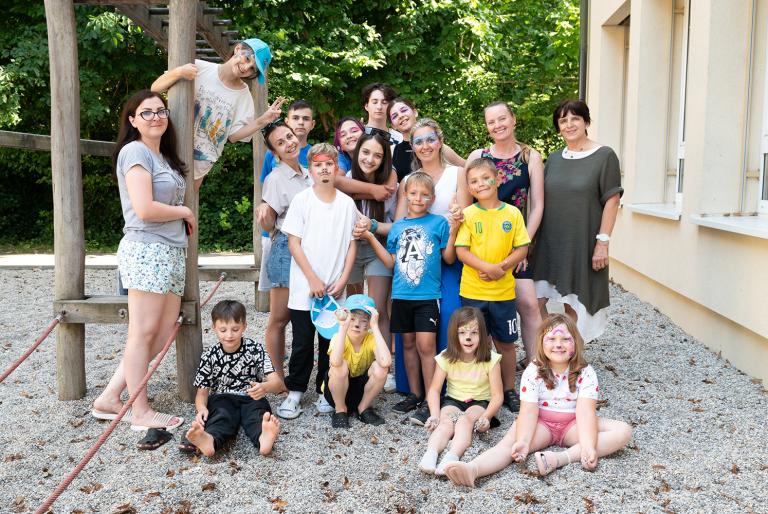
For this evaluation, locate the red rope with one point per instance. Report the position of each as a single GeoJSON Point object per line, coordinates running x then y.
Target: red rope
{"type": "Point", "coordinates": [31, 349]}
{"type": "Point", "coordinates": [103, 438]}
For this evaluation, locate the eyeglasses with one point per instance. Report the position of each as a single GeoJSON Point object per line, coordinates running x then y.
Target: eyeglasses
{"type": "Point", "coordinates": [149, 115]}
{"type": "Point", "coordinates": [430, 138]}
{"type": "Point", "coordinates": [269, 127]}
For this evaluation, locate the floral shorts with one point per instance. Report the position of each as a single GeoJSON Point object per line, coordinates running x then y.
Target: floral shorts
{"type": "Point", "coordinates": [151, 267]}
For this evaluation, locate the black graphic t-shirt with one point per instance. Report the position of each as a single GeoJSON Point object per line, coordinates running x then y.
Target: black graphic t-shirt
{"type": "Point", "coordinates": [222, 372]}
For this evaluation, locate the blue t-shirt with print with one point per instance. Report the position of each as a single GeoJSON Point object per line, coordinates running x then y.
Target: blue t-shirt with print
{"type": "Point", "coordinates": [417, 244]}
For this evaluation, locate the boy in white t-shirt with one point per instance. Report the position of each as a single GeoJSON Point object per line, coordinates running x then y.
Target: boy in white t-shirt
{"type": "Point", "coordinates": [224, 108]}
{"type": "Point", "coordinates": [319, 226]}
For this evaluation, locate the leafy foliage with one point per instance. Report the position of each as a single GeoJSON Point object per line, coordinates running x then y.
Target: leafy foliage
{"type": "Point", "coordinates": [451, 57]}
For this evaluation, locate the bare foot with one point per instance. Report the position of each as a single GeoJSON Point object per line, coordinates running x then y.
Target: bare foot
{"type": "Point", "coordinates": [270, 428]}
{"type": "Point", "coordinates": [461, 473]}
{"type": "Point", "coordinates": [202, 439]}
{"type": "Point", "coordinates": [546, 462]}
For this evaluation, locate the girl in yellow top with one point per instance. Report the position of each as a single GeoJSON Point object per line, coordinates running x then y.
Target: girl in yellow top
{"type": "Point", "coordinates": [474, 394]}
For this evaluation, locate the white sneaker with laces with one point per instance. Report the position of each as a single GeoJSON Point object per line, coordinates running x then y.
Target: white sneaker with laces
{"type": "Point", "coordinates": [390, 386]}
{"type": "Point", "coordinates": [322, 405]}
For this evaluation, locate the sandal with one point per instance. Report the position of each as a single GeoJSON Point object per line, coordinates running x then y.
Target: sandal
{"type": "Point", "coordinates": [110, 416]}
{"type": "Point", "coordinates": [155, 438]}
{"type": "Point", "coordinates": [289, 409]}
{"type": "Point", "coordinates": [162, 420]}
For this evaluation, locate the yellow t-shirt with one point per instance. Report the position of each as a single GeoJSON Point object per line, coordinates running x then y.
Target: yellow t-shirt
{"type": "Point", "coordinates": [491, 236]}
{"type": "Point", "coordinates": [357, 362]}
{"type": "Point", "coordinates": [468, 380]}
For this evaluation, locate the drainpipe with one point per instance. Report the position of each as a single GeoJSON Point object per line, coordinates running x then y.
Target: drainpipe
{"type": "Point", "coordinates": [583, 45]}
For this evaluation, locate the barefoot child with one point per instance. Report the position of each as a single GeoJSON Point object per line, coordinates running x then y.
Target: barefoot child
{"type": "Point", "coordinates": [232, 387]}
{"type": "Point", "coordinates": [492, 240]}
{"type": "Point", "coordinates": [474, 391]}
{"type": "Point", "coordinates": [415, 245]}
{"type": "Point", "coordinates": [559, 393]}
{"type": "Point", "coordinates": [359, 361]}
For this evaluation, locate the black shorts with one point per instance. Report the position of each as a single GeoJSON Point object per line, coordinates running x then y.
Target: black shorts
{"type": "Point", "coordinates": [500, 318]}
{"type": "Point", "coordinates": [354, 392]}
{"type": "Point", "coordinates": [528, 273]}
{"type": "Point", "coordinates": [410, 316]}
{"type": "Point", "coordinates": [447, 401]}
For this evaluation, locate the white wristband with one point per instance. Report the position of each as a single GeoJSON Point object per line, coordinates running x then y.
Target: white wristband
{"type": "Point", "coordinates": [603, 238]}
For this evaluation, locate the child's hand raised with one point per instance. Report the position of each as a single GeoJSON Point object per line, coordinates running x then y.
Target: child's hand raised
{"type": "Point", "coordinates": [257, 391]}
{"type": "Point", "coordinates": [588, 458]}
{"type": "Point", "coordinates": [431, 424]}
{"type": "Point", "coordinates": [344, 317]}
{"type": "Point", "coordinates": [519, 451]}
{"type": "Point", "coordinates": [202, 415]}
{"type": "Point", "coordinates": [374, 317]}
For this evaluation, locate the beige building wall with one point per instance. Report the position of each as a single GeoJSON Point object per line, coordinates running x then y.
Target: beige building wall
{"type": "Point", "coordinates": [673, 81]}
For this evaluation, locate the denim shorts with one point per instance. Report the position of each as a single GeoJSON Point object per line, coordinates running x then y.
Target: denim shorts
{"type": "Point", "coordinates": [151, 267]}
{"type": "Point", "coordinates": [279, 261]}
{"type": "Point", "coordinates": [367, 264]}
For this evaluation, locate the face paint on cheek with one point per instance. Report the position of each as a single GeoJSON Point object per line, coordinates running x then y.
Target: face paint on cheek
{"type": "Point", "coordinates": [490, 181]}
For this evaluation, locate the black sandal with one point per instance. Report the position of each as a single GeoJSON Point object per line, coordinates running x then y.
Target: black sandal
{"type": "Point", "coordinates": [186, 446]}
{"type": "Point", "coordinates": [155, 438]}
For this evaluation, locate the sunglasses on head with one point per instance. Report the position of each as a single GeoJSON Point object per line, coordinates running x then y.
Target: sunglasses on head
{"type": "Point", "coordinates": [269, 127]}
{"type": "Point", "coordinates": [372, 131]}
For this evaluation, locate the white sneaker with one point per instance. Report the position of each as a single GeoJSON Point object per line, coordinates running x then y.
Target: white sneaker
{"type": "Point", "coordinates": [322, 405]}
{"type": "Point", "coordinates": [390, 386]}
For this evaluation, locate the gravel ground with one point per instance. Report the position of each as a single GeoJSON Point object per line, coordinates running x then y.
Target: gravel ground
{"type": "Point", "coordinates": [699, 443]}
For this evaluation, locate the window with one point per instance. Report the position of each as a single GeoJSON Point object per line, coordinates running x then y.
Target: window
{"type": "Point", "coordinates": [679, 48]}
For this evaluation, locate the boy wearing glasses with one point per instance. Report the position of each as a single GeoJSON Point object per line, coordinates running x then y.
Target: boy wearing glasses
{"type": "Point", "coordinates": [415, 246]}
{"type": "Point", "coordinates": [224, 107]}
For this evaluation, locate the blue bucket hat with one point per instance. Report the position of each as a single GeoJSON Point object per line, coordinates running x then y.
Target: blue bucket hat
{"type": "Point", "coordinates": [360, 302]}
{"type": "Point", "coordinates": [262, 55]}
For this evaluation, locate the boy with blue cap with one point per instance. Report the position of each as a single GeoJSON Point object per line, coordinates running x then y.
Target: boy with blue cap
{"type": "Point", "coordinates": [224, 109]}
{"type": "Point", "coordinates": [359, 363]}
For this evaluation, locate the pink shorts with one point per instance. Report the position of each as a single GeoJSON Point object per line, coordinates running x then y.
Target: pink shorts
{"type": "Point", "coordinates": [557, 423]}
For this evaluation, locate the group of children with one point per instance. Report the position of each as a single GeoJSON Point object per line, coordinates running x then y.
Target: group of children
{"type": "Point", "coordinates": [320, 238]}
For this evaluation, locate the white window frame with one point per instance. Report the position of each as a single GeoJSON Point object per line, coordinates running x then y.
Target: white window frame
{"type": "Point", "coordinates": [762, 194]}
{"type": "Point", "coordinates": [680, 168]}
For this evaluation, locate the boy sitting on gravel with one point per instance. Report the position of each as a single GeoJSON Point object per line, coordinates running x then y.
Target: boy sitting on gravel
{"type": "Point", "coordinates": [232, 387]}
{"type": "Point", "coordinates": [359, 363]}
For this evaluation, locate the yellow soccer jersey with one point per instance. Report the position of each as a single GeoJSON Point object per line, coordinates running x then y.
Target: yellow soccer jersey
{"type": "Point", "coordinates": [491, 236]}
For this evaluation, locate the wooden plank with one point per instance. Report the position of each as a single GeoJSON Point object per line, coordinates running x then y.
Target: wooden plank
{"type": "Point", "coordinates": [234, 273]}
{"type": "Point", "coordinates": [259, 94]}
{"type": "Point", "coordinates": [152, 25]}
{"type": "Point", "coordinates": [67, 178]}
{"type": "Point", "coordinates": [122, 2]}
{"type": "Point", "coordinates": [43, 142]}
{"type": "Point", "coordinates": [108, 309]}
{"type": "Point", "coordinates": [181, 100]}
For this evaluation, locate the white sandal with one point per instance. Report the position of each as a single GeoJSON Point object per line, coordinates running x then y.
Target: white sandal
{"type": "Point", "coordinates": [289, 409]}
{"type": "Point", "coordinates": [161, 420]}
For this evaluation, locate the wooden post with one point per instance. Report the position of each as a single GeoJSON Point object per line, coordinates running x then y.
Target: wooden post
{"type": "Point", "coordinates": [68, 231]}
{"type": "Point", "coordinates": [181, 101]}
{"type": "Point", "coordinates": [259, 92]}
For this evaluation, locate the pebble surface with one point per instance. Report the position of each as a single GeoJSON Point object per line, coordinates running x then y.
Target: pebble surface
{"type": "Point", "coordinates": [699, 441]}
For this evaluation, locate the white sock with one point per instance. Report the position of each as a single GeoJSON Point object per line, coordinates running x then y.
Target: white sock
{"type": "Point", "coordinates": [428, 461]}
{"type": "Point", "coordinates": [448, 457]}
{"type": "Point", "coordinates": [295, 395]}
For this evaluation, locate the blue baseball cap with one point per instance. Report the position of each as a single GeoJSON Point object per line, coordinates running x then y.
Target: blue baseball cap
{"type": "Point", "coordinates": [262, 55]}
{"type": "Point", "coordinates": [360, 302]}
{"type": "Point", "coordinates": [322, 313]}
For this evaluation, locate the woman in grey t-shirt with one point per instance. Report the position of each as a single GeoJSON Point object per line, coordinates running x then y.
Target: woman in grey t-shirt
{"type": "Point", "coordinates": [151, 259]}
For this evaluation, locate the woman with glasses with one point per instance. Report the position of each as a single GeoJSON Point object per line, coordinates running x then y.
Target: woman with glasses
{"type": "Point", "coordinates": [224, 107]}
{"type": "Point", "coordinates": [451, 197]}
{"type": "Point", "coordinates": [403, 115]}
{"type": "Point", "coordinates": [520, 177]}
{"type": "Point", "coordinates": [151, 257]}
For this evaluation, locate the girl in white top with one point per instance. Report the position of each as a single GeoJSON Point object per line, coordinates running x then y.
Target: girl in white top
{"type": "Point", "coordinates": [474, 392]}
{"type": "Point", "coordinates": [558, 394]}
